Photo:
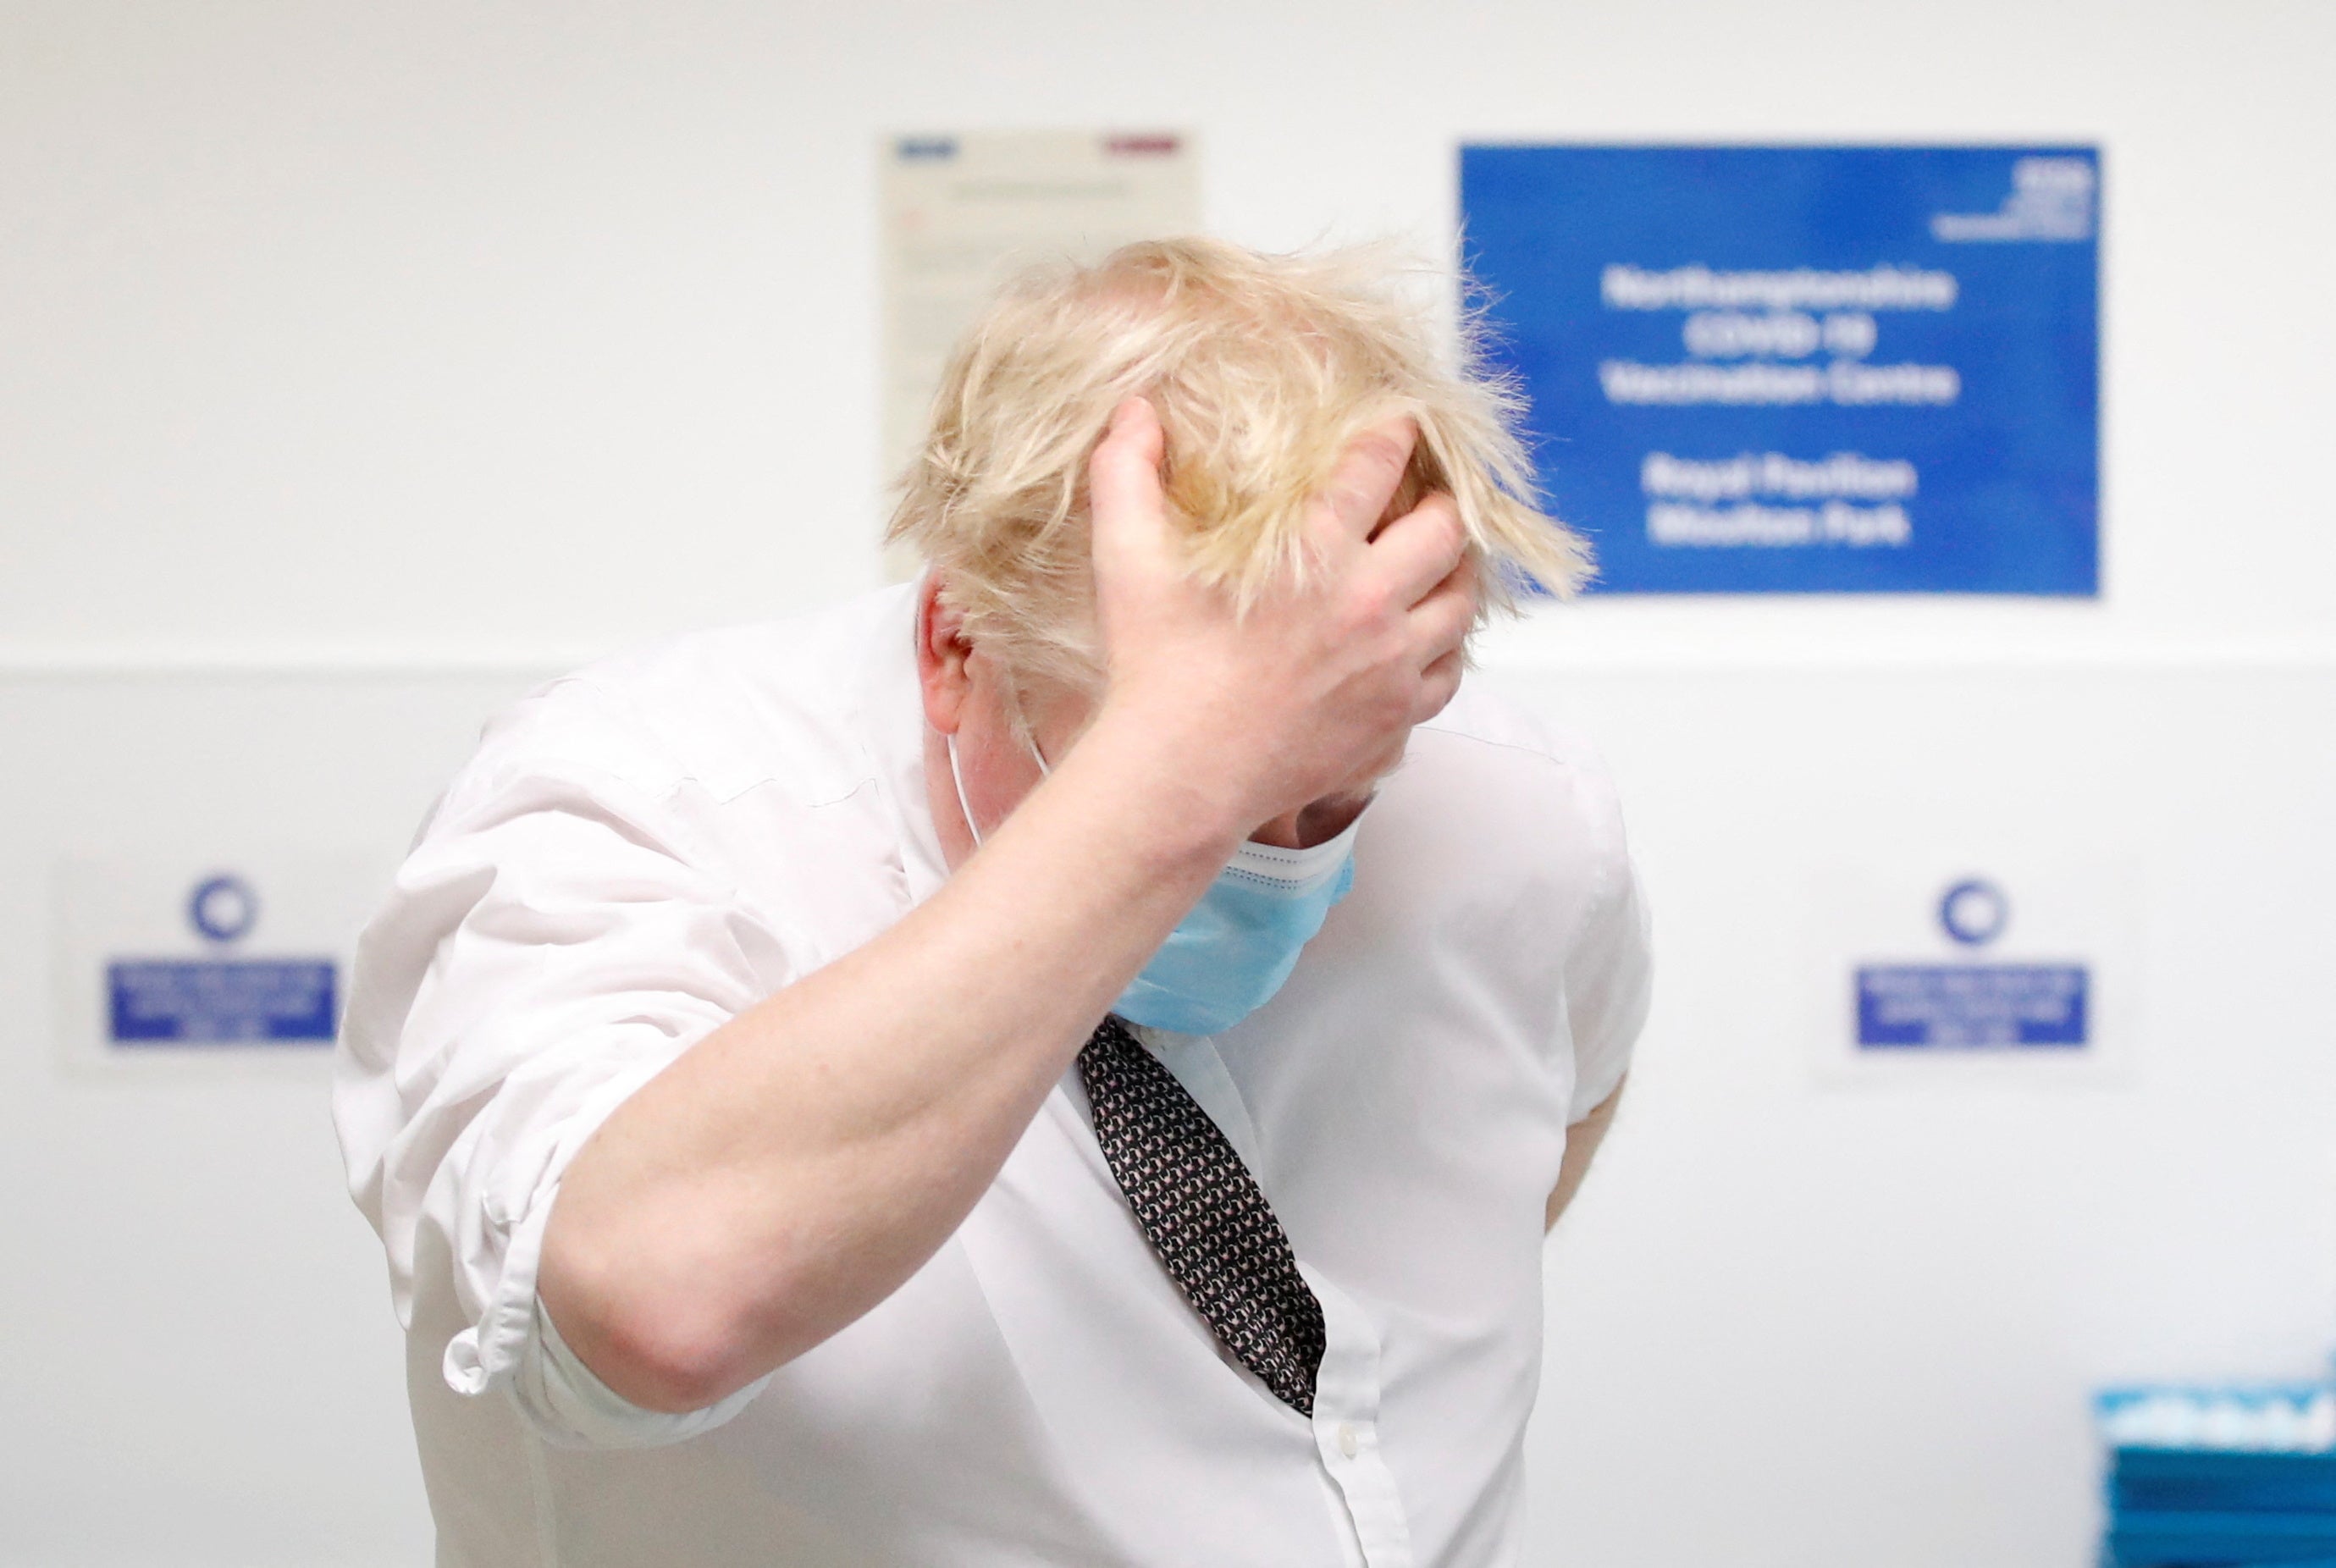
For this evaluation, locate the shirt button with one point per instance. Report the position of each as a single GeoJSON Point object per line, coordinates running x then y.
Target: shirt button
{"type": "Point", "coordinates": [1347, 1439]}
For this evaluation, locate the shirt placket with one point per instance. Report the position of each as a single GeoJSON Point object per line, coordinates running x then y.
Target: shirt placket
{"type": "Point", "coordinates": [1347, 1426]}
{"type": "Point", "coordinates": [1346, 1418]}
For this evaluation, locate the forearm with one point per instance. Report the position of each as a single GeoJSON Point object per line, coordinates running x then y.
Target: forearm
{"type": "Point", "coordinates": [1582, 1142]}
{"type": "Point", "coordinates": [793, 1168]}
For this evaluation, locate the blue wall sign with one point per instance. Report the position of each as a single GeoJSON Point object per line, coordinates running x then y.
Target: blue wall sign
{"type": "Point", "coordinates": [1970, 1003]}
{"type": "Point", "coordinates": [1805, 370]}
{"type": "Point", "coordinates": [222, 998]}
{"type": "Point", "coordinates": [220, 1001]}
{"type": "Point", "coordinates": [1901, 1004]}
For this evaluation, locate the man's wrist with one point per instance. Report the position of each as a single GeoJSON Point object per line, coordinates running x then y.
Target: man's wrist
{"type": "Point", "coordinates": [1186, 809]}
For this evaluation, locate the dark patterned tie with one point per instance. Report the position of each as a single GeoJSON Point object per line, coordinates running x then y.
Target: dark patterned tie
{"type": "Point", "coordinates": [1204, 1213]}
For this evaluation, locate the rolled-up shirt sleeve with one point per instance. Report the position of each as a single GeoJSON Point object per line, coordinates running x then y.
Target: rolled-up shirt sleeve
{"type": "Point", "coordinates": [569, 1405]}
{"type": "Point", "coordinates": [554, 940]}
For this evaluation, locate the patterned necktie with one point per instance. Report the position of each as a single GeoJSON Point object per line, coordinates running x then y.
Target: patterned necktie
{"type": "Point", "coordinates": [1205, 1215]}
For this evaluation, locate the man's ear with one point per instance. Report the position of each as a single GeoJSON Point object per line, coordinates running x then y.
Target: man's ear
{"type": "Point", "coordinates": [942, 651]}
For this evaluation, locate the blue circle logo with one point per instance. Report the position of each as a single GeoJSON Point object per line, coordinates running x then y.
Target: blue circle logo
{"type": "Point", "coordinates": [223, 908]}
{"type": "Point", "coordinates": [1975, 911]}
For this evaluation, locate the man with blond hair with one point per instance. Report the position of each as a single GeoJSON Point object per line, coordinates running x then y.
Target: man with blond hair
{"type": "Point", "coordinates": [1068, 1060]}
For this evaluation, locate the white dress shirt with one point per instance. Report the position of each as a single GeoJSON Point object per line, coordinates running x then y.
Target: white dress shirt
{"type": "Point", "coordinates": [639, 851]}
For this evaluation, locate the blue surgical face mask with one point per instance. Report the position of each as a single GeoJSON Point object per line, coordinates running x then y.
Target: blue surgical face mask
{"type": "Point", "coordinates": [1232, 951]}
{"type": "Point", "coordinates": [1228, 956]}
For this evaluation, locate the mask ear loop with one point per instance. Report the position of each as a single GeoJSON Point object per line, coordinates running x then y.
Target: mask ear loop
{"type": "Point", "coordinates": [1021, 723]}
{"type": "Point", "coordinates": [957, 777]}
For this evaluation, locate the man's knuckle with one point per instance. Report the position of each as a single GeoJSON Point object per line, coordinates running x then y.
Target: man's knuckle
{"type": "Point", "coordinates": [1361, 616]}
{"type": "Point", "coordinates": [1451, 533]}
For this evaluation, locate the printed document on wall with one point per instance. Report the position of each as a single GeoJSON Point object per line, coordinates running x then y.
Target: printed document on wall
{"type": "Point", "coordinates": [1805, 369]}
{"type": "Point", "coordinates": [962, 212]}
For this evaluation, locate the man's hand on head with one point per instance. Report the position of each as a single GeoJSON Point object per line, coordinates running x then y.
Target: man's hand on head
{"type": "Point", "coordinates": [1314, 690]}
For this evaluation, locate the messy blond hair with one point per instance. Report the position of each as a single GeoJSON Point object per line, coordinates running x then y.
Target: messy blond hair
{"type": "Point", "coordinates": [1263, 368]}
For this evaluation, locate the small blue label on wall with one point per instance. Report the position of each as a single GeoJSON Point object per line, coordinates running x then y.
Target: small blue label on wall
{"type": "Point", "coordinates": [221, 1001]}
{"type": "Point", "coordinates": [1805, 369]}
{"type": "Point", "coordinates": [1972, 1005]}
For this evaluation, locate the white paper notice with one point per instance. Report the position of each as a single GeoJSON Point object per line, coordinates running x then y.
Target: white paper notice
{"type": "Point", "coordinates": [239, 958]}
{"type": "Point", "coordinates": [963, 212]}
{"type": "Point", "coordinates": [1974, 965]}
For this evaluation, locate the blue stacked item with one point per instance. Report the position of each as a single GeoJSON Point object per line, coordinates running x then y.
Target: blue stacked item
{"type": "Point", "coordinates": [2221, 1477]}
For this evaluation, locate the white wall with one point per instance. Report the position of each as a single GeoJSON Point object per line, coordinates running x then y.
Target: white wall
{"type": "Point", "coordinates": [355, 362]}
{"type": "Point", "coordinates": [198, 1360]}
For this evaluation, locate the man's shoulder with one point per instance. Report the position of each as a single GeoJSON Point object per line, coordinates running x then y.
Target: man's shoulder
{"type": "Point", "coordinates": [1531, 785]}
{"type": "Point", "coordinates": [1483, 714]}
{"type": "Point", "coordinates": [726, 709]}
